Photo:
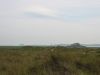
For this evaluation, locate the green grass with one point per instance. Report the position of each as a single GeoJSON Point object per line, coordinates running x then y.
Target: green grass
{"type": "Point", "coordinates": [42, 61]}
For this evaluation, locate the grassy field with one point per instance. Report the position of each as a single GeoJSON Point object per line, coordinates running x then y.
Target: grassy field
{"type": "Point", "coordinates": [49, 61]}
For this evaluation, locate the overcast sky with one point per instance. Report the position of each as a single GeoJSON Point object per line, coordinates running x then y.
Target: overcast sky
{"type": "Point", "coordinates": [42, 22]}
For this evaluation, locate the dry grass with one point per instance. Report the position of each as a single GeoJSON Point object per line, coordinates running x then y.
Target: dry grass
{"type": "Point", "coordinates": [43, 61]}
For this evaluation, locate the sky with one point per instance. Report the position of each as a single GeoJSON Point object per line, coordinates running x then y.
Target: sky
{"type": "Point", "coordinates": [47, 22]}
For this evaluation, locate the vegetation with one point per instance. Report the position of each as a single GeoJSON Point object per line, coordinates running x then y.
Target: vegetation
{"type": "Point", "coordinates": [49, 61]}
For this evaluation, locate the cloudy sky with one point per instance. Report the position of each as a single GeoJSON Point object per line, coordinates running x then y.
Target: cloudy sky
{"type": "Point", "coordinates": [42, 22]}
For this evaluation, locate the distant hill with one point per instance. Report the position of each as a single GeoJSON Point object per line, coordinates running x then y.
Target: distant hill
{"type": "Point", "coordinates": [76, 45]}
{"type": "Point", "coordinates": [79, 45]}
